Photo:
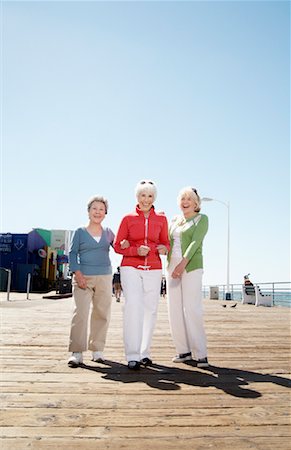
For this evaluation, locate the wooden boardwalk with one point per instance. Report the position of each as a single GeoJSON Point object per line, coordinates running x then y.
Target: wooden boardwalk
{"type": "Point", "coordinates": [241, 402]}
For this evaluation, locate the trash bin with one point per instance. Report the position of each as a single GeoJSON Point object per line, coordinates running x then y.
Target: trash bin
{"type": "Point", "coordinates": [214, 293]}
{"type": "Point", "coordinates": [64, 286]}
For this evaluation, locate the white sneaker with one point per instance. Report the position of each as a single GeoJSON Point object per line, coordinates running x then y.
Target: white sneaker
{"type": "Point", "coordinates": [98, 357]}
{"type": "Point", "coordinates": [182, 357]}
{"type": "Point", "coordinates": [75, 359]}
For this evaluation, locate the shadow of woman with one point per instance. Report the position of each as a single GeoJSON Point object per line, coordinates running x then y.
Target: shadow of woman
{"type": "Point", "coordinates": [234, 382]}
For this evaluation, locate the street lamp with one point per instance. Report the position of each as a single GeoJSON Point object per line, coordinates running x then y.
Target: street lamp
{"type": "Point", "coordinates": [208, 199]}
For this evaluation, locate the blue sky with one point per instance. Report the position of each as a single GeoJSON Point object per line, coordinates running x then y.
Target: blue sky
{"type": "Point", "coordinates": [99, 95]}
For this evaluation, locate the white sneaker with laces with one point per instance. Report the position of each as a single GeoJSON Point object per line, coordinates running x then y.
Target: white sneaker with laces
{"type": "Point", "coordinates": [75, 359]}
{"type": "Point", "coordinates": [98, 357]}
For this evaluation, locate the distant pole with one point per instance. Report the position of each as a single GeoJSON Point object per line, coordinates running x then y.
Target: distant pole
{"type": "Point", "coordinates": [228, 294]}
{"type": "Point", "coordinates": [227, 204]}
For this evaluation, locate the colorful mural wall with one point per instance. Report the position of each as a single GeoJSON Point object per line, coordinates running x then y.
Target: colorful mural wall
{"type": "Point", "coordinates": [41, 253]}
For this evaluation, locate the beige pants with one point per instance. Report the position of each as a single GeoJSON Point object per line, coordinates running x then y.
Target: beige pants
{"type": "Point", "coordinates": [98, 292]}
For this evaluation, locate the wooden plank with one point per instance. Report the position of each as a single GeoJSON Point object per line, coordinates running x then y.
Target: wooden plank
{"type": "Point", "coordinates": [179, 442]}
{"type": "Point", "coordinates": [131, 388]}
{"type": "Point", "coordinates": [142, 432]}
{"type": "Point", "coordinates": [145, 417]}
{"type": "Point", "coordinates": [130, 401]}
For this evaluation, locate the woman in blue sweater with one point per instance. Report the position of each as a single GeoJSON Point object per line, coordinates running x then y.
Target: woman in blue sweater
{"type": "Point", "coordinates": [92, 274]}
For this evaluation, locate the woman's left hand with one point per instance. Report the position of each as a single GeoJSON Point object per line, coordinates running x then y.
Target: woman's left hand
{"type": "Point", "coordinates": [124, 244]}
{"type": "Point", "coordinates": [162, 249]}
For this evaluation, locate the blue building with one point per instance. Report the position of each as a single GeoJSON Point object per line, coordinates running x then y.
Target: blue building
{"type": "Point", "coordinates": [32, 254]}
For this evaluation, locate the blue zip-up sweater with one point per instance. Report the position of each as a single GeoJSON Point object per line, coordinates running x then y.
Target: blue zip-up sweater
{"type": "Point", "coordinates": [88, 255]}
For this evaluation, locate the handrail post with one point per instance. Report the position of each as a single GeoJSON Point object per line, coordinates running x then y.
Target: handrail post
{"type": "Point", "coordinates": [8, 284]}
{"type": "Point", "coordinates": [28, 286]}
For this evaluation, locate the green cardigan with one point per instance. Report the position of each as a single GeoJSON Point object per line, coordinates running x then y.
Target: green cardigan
{"type": "Point", "coordinates": [192, 236]}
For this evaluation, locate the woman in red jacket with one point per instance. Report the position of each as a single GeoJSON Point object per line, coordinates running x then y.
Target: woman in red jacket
{"type": "Point", "coordinates": [145, 234]}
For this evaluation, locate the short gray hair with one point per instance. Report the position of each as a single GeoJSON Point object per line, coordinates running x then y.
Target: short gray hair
{"type": "Point", "coordinates": [147, 186]}
{"type": "Point", "coordinates": [192, 192]}
{"type": "Point", "coordinates": [97, 198]}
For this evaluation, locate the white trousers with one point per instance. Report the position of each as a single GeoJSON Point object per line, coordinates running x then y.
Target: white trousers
{"type": "Point", "coordinates": [141, 289]}
{"type": "Point", "coordinates": [186, 311]}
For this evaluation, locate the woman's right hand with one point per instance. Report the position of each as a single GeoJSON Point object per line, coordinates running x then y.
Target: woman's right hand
{"type": "Point", "coordinates": [143, 250]}
{"type": "Point", "coordinates": [80, 279]}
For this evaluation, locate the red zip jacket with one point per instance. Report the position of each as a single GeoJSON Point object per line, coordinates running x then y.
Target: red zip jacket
{"type": "Point", "coordinates": [138, 230]}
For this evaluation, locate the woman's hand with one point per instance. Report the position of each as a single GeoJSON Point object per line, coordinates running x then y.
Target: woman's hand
{"type": "Point", "coordinates": [179, 269]}
{"type": "Point", "coordinates": [162, 249]}
{"type": "Point", "coordinates": [143, 250]}
{"type": "Point", "coordinates": [80, 279]}
{"type": "Point", "coordinates": [124, 244]}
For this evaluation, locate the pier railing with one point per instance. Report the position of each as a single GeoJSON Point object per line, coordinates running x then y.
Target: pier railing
{"type": "Point", "coordinates": [281, 292]}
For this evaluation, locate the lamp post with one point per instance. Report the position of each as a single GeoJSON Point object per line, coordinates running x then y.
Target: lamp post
{"type": "Point", "coordinates": [208, 199]}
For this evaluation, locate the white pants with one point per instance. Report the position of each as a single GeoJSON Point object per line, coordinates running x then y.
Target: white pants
{"type": "Point", "coordinates": [141, 289]}
{"type": "Point", "coordinates": [186, 311]}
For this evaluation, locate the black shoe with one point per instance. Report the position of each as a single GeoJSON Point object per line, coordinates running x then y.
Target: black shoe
{"type": "Point", "coordinates": [133, 365]}
{"type": "Point", "coordinates": [202, 362]}
{"type": "Point", "coordinates": [146, 362]}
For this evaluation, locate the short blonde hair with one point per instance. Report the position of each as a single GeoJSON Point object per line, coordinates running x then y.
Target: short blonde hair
{"type": "Point", "coordinates": [147, 186]}
{"type": "Point", "coordinates": [192, 192]}
{"type": "Point", "coordinates": [97, 198]}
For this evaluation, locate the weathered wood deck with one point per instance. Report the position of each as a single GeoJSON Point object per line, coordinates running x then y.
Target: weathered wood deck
{"type": "Point", "coordinates": [241, 402]}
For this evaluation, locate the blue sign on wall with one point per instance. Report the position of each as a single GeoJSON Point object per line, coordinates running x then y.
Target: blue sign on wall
{"type": "Point", "coordinates": [14, 250]}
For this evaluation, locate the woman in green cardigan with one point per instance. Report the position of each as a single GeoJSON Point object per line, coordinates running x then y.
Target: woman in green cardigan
{"type": "Point", "coordinates": [185, 270]}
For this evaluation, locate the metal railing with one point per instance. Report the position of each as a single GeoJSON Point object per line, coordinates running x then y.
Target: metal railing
{"type": "Point", "coordinates": [9, 280]}
{"type": "Point", "coordinates": [280, 290]}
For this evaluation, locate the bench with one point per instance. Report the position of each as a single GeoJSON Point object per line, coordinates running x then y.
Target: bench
{"type": "Point", "coordinates": [252, 295]}
{"type": "Point", "coordinates": [263, 299]}
{"type": "Point", "coordinates": [249, 295]}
